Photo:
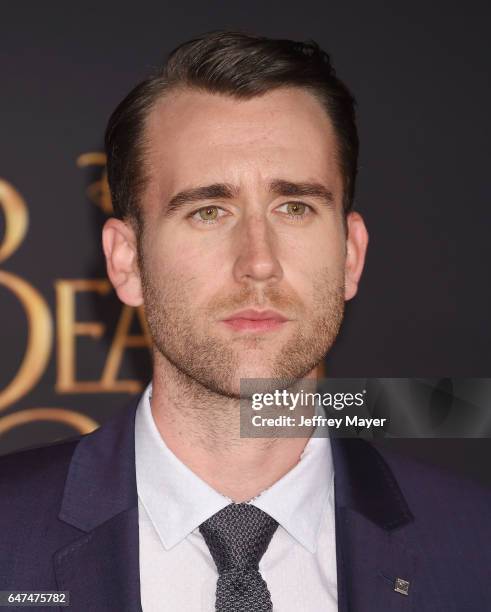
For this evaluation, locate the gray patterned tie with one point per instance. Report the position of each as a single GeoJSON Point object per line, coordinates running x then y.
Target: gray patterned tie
{"type": "Point", "coordinates": [238, 537]}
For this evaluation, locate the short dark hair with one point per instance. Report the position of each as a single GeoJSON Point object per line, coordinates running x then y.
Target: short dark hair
{"type": "Point", "coordinates": [235, 64]}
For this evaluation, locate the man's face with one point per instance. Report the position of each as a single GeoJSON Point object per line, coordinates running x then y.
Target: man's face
{"type": "Point", "coordinates": [243, 215]}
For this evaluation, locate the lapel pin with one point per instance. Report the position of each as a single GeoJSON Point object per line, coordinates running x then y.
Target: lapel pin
{"type": "Point", "coordinates": [401, 586]}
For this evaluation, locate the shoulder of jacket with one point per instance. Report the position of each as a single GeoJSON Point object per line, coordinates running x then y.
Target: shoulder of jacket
{"type": "Point", "coordinates": [36, 467]}
{"type": "Point", "coordinates": [428, 485]}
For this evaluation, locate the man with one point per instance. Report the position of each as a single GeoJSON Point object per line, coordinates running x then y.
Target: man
{"type": "Point", "coordinates": [232, 174]}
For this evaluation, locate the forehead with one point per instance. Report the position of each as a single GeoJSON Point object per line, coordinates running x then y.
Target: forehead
{"type": "Point", "coordinates": [194, 136]}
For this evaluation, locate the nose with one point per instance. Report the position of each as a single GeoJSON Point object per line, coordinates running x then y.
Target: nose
{"type": "Point", "coordinates": [256, 257]}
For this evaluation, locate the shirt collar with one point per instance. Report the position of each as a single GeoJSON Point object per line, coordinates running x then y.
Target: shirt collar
{"type": "Point", "coordinates": [175, 498]}
{"type": "Point", "coordinates": [178, 501]}
{"type": "Point", "coordinates": [298, 500]}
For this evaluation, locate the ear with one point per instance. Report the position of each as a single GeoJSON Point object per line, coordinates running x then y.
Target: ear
{"type": "Point", "coordinates": [356, 247]}
{"type": "Point", "coordinates": [120, 248]}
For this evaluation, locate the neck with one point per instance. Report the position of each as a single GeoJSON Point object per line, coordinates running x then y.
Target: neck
{"type": "Point", "coordinates": [202, 429]}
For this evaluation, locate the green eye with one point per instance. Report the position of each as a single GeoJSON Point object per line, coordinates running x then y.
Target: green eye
{"type": "Point", "coordinates": [296, 209]}
{"type": "Point", "coordinates": [209, 213]}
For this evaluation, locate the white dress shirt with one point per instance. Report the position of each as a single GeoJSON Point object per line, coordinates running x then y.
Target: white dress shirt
{"type": "Point", "coordinates": [177, 572]}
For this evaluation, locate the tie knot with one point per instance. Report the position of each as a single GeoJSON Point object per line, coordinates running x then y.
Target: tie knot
{"type": "Point", "coordinates": [238, 536]}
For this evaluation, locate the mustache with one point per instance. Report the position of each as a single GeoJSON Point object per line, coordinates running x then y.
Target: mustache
{"type": "Point", "coordinates": [250, 297]}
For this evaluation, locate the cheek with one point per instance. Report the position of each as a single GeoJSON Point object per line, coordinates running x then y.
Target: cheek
{"type": "Point", "coordinates": [306, 262]}
{"type": "Point", "coordinates": [195, 267]}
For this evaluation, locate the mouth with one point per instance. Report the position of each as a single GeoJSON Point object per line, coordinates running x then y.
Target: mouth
{"type": "Point", "coordinates": [255, 320]}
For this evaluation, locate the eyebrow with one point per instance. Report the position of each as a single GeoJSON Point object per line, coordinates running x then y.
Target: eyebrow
{"type": "Point", "coordinates": [221, 191]}
{"type": "Point", "coordinates": [305, 189]}
{"type": "Point", "coordinates": [225, 191]}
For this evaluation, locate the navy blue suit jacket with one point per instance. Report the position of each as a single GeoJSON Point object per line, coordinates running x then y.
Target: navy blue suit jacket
{"type": "Point", "coordinates": [69, 521]}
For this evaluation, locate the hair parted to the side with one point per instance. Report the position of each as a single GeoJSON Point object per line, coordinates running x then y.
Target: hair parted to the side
{"type": "Point", "coordinates": [236, 64]}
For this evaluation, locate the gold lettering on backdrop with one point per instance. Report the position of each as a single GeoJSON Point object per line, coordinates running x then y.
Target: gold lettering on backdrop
{"type": "Point", "coordinates": [16, 219]}
{"type": "Point", "coordinates": [68, 328]}
{"type": "Point", "coordinates": [39, 324]}
{"type": "Point", "coordinates": [79, 422]}
{"type": "Point", "coordinates": [40, 336]}
{"type": "Point", "coordinates": [97, 192]}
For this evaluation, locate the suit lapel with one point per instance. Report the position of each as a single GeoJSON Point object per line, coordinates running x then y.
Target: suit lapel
{"type": "Point", "coordinates": [374, 534]}
{"type": "Point", "coordinates": [101, 568]}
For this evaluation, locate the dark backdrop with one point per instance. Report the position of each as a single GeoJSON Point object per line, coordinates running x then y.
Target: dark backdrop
{"type": "Point", "coordinates": [420, 73]}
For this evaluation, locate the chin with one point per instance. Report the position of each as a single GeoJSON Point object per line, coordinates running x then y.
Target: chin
{"type": "Point", "coordinates": [255, 378]}
{"type": "Point", "coordinates": [254, 370]}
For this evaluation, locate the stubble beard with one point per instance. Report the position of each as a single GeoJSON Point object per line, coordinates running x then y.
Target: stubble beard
{"type": "Point", "coordinates": [217, 365]}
